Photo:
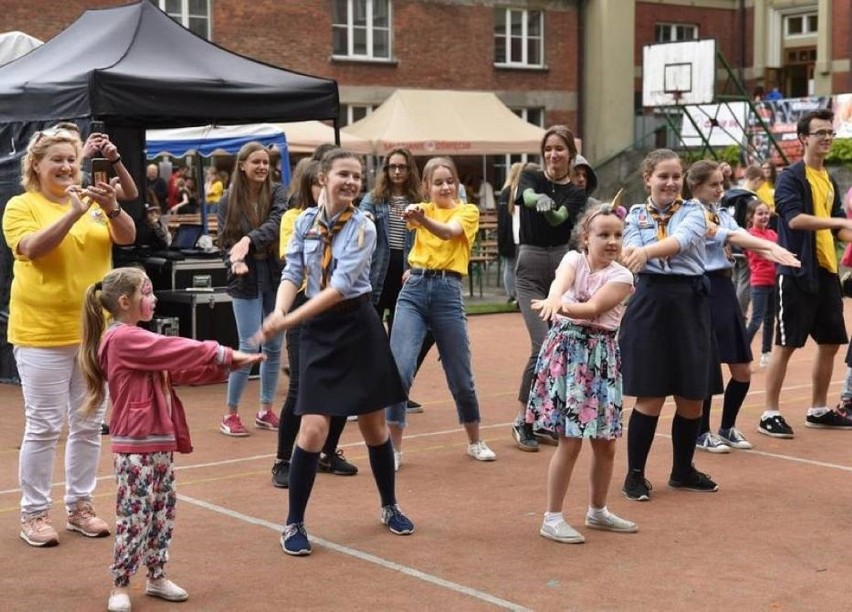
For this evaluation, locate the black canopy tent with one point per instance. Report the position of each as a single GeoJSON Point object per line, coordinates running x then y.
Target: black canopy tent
{"type": "Point", "coordinates": [133, 68]}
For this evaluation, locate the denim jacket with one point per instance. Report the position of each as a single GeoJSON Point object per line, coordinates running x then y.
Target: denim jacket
{"type": "Point", "coordinates": [379, 211]}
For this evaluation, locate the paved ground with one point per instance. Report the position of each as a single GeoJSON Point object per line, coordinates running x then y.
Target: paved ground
{"type": "Point", "coordinates": [775, 537]}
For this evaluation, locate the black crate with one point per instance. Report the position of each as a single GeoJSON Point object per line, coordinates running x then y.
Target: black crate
{"type": "Point", "coordinates": [169, 275]}
{"type": "Point", "coordinates": [202, 315]}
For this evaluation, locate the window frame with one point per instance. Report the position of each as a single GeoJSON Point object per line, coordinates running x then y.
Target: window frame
{"type": "Point", "coordinates": [672, 27]}
{"type": "Point", "coordinates": [370, 28]}
{"type": "Point", "coordinates": [348, 109]}
{"type": "Point", "coordinates": [184, 17]}
{"type": "Point", "coordinates": [805, 17]}
{"type": "Point", "coordinates": [526, 38]}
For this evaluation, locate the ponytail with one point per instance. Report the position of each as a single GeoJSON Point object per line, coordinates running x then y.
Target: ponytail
{"type": "Point", "coordinates": [93, 329]}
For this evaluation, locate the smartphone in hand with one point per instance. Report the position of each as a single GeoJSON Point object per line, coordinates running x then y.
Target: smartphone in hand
{"type": "Point", "coordinates": [100, 170]}
{"type": "Point", "coordinates": [98, 126]}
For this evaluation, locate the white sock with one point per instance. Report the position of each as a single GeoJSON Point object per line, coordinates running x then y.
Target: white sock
{"type": "Point", "coordinates": [598, 513]}
{"type": "Point", "coordinates": [553, 518]}
{"type": "Point", "coordinates": [770, 413]}
{"type": "Point", "coordinates": [817, 411]}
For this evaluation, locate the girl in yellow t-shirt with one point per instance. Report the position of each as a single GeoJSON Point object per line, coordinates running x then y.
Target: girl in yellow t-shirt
{"type": "Point", "coordinates": [431, 299]}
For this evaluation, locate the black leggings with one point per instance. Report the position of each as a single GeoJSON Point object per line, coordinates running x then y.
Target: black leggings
{"type": "Point", "coordinates": [288, 427]}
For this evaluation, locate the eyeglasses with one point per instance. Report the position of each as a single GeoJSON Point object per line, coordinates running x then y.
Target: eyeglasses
{"type": "Point", "coordinates": [823, 134]}
{"type": "Point", "coordinates": [397, 167]}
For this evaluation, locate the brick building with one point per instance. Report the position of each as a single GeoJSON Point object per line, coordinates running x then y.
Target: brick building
{"type": "Point", "coordinates": [554, 61]}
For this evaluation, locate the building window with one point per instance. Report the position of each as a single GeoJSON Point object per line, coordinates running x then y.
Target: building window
{"type": "Point", "coordinates": [804, 24]}
{"type": "Point", "coordinates": [194, 15]}
{"type": "Point", "coordinates": [361, 29]}
{"type": "Point", "coordinates": [675, 32]}
{"type": "Point", "coordinates": [502, 163]}
{"type": "Point", "coordinates": [518, 37]}
{"type": "Point", "coordinates": [350, 113]}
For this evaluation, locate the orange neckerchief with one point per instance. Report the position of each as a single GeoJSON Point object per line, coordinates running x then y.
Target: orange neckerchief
{"type": "Point", "coordinates": [327, 236]}
{"type": "Point", "coordinates": [661, 217]}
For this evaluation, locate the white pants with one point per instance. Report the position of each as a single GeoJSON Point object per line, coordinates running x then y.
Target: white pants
{"type": "Point", "coordinates": [53, 388]}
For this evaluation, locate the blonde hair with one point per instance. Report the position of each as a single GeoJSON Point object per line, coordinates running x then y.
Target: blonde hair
{"type": "Point", "coordinates": [37, 149]}
{"type": "Point", "coordinates": [101, 296]}
{"type": "Point", "coordinates": [513, 177]}
{"type": "Point", "coordinates": [432, 165]}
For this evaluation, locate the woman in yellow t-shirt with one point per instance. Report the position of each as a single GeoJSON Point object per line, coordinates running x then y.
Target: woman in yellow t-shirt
{"type": "Point", "coordinates": [431, 299]}
{"type": "Point", "coordinates": [213, 187]}
{"type": "Point", "coordinates": [61, 237]}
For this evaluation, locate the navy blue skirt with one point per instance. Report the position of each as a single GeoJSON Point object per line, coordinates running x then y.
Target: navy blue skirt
{"type": "Point", "coordinates": [727, 321]}
{"type": "Point", "coordinates": [345, 363]}
{"type": "Point", "coordinates": [665, 338]}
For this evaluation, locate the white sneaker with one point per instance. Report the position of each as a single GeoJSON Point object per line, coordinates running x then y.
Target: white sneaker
{"type": "Point", "coordinates": [764, 359]}
{"type": "Point", "coordinates": [119, 601]}
{"type": "Point", "coordinates": [611, 523]}
{"type": "Point", "coordinates": [397, 460]}
{"type": "Point", "coordinates": [479, 450]}
{"type": "Point", "coordinates": [165, 589]}
{"type": "Point", "coordinates": [561, 532]}
{"type": "Point", "coordinates": [711, 443]}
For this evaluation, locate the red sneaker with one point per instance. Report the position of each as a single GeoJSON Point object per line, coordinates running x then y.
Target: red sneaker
{"type": "Point", "coordinates": [233, 426]}
{"type": "Point", "coordinates": [266, 419]}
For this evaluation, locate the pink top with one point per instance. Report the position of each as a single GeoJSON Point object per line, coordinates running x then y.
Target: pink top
{"type": "Point", "coordinates": [140, 368]}
{"type": "Point", "coordinates": [762, 270]}
{"type": "Point", "coordinates": [587, 283]}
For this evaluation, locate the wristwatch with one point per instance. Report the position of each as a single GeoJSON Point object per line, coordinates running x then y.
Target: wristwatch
{"type": "Point", "coordinates": [114, 212]}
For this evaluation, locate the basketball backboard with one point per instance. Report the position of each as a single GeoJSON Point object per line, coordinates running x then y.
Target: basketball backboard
{"type": "Point", "coordinates": [679, 73]}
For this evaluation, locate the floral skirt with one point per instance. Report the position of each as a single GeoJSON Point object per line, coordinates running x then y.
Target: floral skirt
{"type": "Point", "coordinates": [576, 390]}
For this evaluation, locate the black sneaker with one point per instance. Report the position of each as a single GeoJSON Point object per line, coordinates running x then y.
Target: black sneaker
{"type": "Point", "coordinates": [412, 407]}
{"type": "Point", "coordinates": [524, 437]}
{"type": "Point", "coordinates": [104, 429]}
{"type": "Point", "coordinates": [833, 419]}
{"type": "Point", "coordinates": [694, 481]}
{"type": "Point", "coordinates": [546, 437]}
{"type": "Point", "coordinates": [281, 474]}
{"type": "Point", "coordinates": [775, 426]}
{"type": "Point", "coordinates": [336, 464]}
{"type": "Point", "coordinates": [636, 486]}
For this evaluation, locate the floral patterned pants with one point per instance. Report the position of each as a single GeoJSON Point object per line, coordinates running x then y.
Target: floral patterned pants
{"type": "Point", "coordinates": [145, 514]}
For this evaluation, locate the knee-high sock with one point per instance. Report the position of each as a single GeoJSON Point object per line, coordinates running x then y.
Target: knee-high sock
{"type": "Point", "coordinates": [640, 437]}
{"type": "Point", "coordinates": [303, 472]}
{"type": "Point", "coordinates": [735, 394]}
{"type": "Point", "coordinates": [705, 415]}
{"type": "Point", "coordinates": [684, 433]}
{"type": "Point", "coordinates": [381, 462]}
{"type": "Point", "coordinates": [288, 429]}
{"type": "Point", "coordinates": [335, 430]}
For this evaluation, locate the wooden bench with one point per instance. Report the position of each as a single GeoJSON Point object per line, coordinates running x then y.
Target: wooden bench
{"type": "Point", "coordinates": [193, 219]}
{"type": "Point", "coordinates": [483, 254]}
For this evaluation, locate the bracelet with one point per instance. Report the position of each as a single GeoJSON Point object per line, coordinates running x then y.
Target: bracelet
{"type": "Point", "coordinates": [236, 261]}
{"type": "Point", "coordinates": [114, 212]}
{"type": "Point", "coordinates": [115, 161]}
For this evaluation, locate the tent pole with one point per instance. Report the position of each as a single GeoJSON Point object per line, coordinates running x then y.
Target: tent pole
{"type": "Point", "coordinates": [336, 133]}
{"type": "Point", "coordinates": [199, 189]}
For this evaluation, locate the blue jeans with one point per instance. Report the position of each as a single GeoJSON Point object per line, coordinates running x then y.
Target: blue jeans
{"type": "Point", "coordinates": [762, 312]}
{"type": "Point", "coordinates": [249, 314]}
{"type": "Point", "coordinates": [434, 303]}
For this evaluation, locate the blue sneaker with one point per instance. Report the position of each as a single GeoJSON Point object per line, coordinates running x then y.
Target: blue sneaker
{"type": "Point", "coordinates": [294, 540]}
{"type": "Point", "coordinates": [396, 521]}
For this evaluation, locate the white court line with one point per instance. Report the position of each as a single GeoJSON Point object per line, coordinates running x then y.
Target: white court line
{"type": "Point", "coordinates": [363, 556]}
{"type": "Point", "coordinates": [429, 434]}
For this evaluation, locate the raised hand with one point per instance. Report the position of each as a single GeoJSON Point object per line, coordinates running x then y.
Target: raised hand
{"type": "Point", "coordinates": [241, 359]}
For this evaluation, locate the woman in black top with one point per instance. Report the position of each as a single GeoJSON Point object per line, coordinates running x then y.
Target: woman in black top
{"type": "Point", "coordinates": [549, 204]}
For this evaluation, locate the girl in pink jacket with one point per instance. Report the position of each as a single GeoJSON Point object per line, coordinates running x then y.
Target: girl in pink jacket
{"type": "Point", "coordinates": [148, 422]}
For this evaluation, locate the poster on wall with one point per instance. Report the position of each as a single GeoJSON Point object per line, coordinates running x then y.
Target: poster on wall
{"type": "Point", "coordinates": [842, 106]}
{"type": "Point", "coordinates": [720, 124]}
{"type": "Point", "coordinates": [780, 117]}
